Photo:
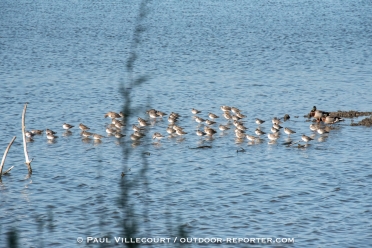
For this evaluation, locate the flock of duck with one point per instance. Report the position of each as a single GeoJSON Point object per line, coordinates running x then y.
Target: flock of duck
{"type": "Point", "coordinates": [231, 114]}
{"type": "Point", "coordinates": [113, 129]}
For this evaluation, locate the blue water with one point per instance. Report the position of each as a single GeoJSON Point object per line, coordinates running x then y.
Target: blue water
{"type": "Point", "coordinates": [67, 59]}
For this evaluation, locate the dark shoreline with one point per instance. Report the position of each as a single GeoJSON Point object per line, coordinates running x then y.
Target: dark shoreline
{"type": "Point", "coordinates": [351, 114]}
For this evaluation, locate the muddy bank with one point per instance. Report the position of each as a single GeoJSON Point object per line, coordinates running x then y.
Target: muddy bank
{"type": "Point", "coordinates": [346, 114]}
{"type": "Point", "coordinates": [365, 122]}
{"type": "Point", "coordinates": [349, 114]}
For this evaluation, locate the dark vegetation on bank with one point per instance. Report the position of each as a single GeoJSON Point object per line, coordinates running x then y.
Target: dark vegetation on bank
{"type": "Point", "coordinates": [365, 122]}
{"type": "Point", "coordinates": [351, 114]}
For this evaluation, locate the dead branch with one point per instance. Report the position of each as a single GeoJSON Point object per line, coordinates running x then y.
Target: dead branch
{"type": "Point", "coordinates": [8, 170]}
{"type": "Point", "coordinates": [4, 157]}
{"type": "Point", "coordinates": [28, 161]}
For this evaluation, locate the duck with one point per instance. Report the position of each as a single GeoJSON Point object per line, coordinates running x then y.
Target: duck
{"type": "Point", "coordinates": [112, 115]}
{"type": "Point", "coordinates": [157, 136]}
{"type": "Point", "coordinates": [306, 138]}
{"type": "Point", "coordinates": [318, 114]}
{"type": "Point", "coordinates": [195, 111]}
{"type": "Point", "coordinates": [259, 121]}
{"type": "Point", "coordinates": [67, 126]}
{"type": "Point", "coordinates": [212, 116]}
{"type": "Point", "coordinates": [331, 120]}
{"type": "Point", "coordinates": [288, 131]}
{"type": "Point", "coordinates": [276, 121]}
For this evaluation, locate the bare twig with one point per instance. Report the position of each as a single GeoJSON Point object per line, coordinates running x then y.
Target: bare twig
{"type": "Point", "coordinates": [4, 157]}
{"type": "Point", "coordinates": [28, 161]}
{"type": "Point", "coordinates": [8, 170]}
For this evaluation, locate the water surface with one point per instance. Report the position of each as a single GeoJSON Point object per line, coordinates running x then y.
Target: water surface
{"type": "Point", "coordinates": [268, 58]}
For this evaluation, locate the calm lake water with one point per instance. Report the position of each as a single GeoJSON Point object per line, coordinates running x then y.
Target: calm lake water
{"type": "Point", "coordinates": [67, 59]}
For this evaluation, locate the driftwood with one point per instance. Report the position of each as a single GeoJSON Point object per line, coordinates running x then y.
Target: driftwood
{"type": "Point", "coordinates": [4, 157]}
{"type": "Point", "coordinates": [241, 150]}
{"type": "Point", "coordinates": [200, 147]}
{"type": "Point", "coordinates": [28, 161]}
